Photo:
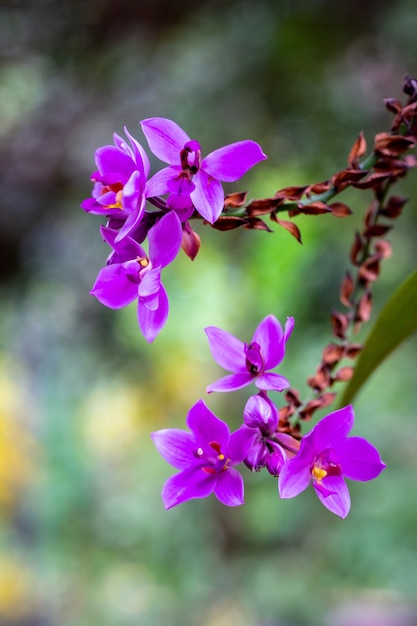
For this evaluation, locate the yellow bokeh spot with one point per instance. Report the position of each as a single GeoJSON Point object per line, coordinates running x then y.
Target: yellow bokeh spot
{"type": "Point", "coordinates": [110, 419]}
{"type": "Point", "coordinates": [17, 446]}
{"type": "Point", "coordinates": [16, 589]}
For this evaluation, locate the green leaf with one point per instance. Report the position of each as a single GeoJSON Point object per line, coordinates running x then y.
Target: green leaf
{"type": "Point", "coordinates": [396, 322]}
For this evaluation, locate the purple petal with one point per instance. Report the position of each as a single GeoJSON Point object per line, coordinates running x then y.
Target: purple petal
{"type": "Point", "coordinates": [226, 349]}
{"type": "Point", "coordinates": [269, 336]}
{"type": "Point", "coordinates": [175, 446]}
{"type": "Point", "coordinates": [188, 484]}
{"type": "Point", "coordinates": [107, 200]}
{"type": "Point", "coordinates": [90, 205]}
{"type": "Point", "coordinates": [239, 444]}
{"type": "Point", "coordinates": [276, 459]}
{"type": "Point", "coordinates": [256, 457]}
{"type": "Point", "coordinates": [233, 161]}
{"type": "Point", "coordinates": [132, 220]}
{"type": "Point", "coordinates": [112, 287]}
{"type": "Point", "coordinates": [113, 164]}
{"type": "Point", "coordinates": [206, 426]}
{"type": "Point", "coordinates": [289, 325]}
{"type": "Point", "coordinates": [231, 383]}
{"type": "Point", "coordinates": [132, 191]}
{"type": "Point", "coordinates": [261, 413]}
{"type": "Point", "coordinates": [337, 502]}
{"type": "Point", "coordinates": [332, 428]}
{"type": "Point", "coordinates": [165, 138]}
{"type": "Point", "coordinates": [272, 382]}
{"type": "Point", "coordinates": [158, 184]}
{"type": "Point", "coordinates": [182, 205]}
{"type": "Point", "coordinates": [230, 488]}
{"type": "Point", "coordinates": [165, 239]}
{"type": "Point", "coordinates": [126, 250]}
{"type": "Point", "coordinates": [295, 475]}
{"type": "Point", "coordinates": [151, 322]}
{"type": "Point", "coordinates": [149, 288]}
{"type": "Point", "coordinates": [181, 186]}
{"type": "Point", "coordinates": [139, 155]}
{"type": "Point", "coordinates": [119, 142]}
{"type": "Point", "coordinates": [358, 458]}
{"type": "Point", "coordinates": [208, 196]}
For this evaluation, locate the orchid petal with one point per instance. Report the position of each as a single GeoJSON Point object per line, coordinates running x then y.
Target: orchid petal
{"type": "Point", "coordinates": [151, 322]}
{"type": "Point", "coordinates": [338, 502]}
{"type": "Point", "coordinates": [132, 221]}
{"type": "Point", "coordinates": [358, 458]}
{"type": "Point", "coordinates": [239, 444]}
{"type": "Point", "coordinates": [288, 328]}
{"type": "Point", "coordinates": [165, 138]}
{"type": "Point", "coordinates": [206, 426]}
{"type": "Point", "coordinates": [256, 457]}
{"type": "Point", "coordinates": [208, 196]}
{"type": "Point", "coordinates": [230, 488]}
{"type": "Point", "coordinates": [113, 164]}
{"type": "Point", "coordinates": [157, 185]}
{"type": "Point", "coordinates": [90, 205]}
{"type": "Point", "coordinates": [165, 239]}
{"type": "Point", "coordinates": [188, 484]}
{"type": "Point", "coordinates": [175, 446]}
{"type": "Point", "coordinates": [276, 458]}
{"type": "Point", "coordinates": [139, 155]}
{"type": "Point", "coordinates": [226, 349]}
{"type": "Point", "coordinates": [231, 383]}
{"type": "Point", "coordinates": [261, 413]}
{"type": "Point", "coordinates": [112, 287]}
{"type": "Point", "coordinates": [107, 200]}
{"type": "Point", "coordinates": [330, 429]}
{"type": "Point", "coordinates": [269, 336]}
{"type": "Point", "coordinates": [149, 288]}
{"type": "Point", "coordinates": [272, 382]}
{"type": "Point", "coordinates": [132, 191]}
{"type": "Point", "coordinates": [295, 476]}
{"type": "Point", "coordinates": [126, 250]}
{"type": "Point", "coordinates": [233, 161]}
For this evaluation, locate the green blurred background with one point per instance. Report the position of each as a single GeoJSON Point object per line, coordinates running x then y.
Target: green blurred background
{"type": "Point", "coordinates": [84, 538]}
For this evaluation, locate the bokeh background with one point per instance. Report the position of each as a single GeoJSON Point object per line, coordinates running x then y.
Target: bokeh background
{"type": "Point", "coordinates": [84, 538]}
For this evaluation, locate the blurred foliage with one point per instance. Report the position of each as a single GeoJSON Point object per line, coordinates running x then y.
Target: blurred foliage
{"type": "Point", "coordinates": [84, 536]}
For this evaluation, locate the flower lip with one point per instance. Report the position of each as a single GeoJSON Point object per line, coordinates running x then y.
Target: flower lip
{"type": "Point", "coordinates": [255, 362]}
{"type": "Point", "coordinates": [191, 165]}
{"type": "Point", "coordinates": [325, 464]}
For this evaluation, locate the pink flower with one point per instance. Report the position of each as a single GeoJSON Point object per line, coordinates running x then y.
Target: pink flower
{"type": "Point", "coordinates": [132, 274]}
{"type": "Point", "coordinates": [193, 181]}
{"type": "Point", "coordinates": [205, 456]}
{"type": "Point", "coordinates": [326, 456]}
{"type": "Point", "coordinates": [251, 362]}
{"type": "Point", "coordinates": [119, 183]}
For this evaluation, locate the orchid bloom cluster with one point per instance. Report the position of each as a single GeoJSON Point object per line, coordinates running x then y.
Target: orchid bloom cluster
{"type": "Point", "coordinates": [124, 194]}
{"type": "Point", "coordinates": [207, 454]}
{"type": "Point", "coordinates": [147, 222]}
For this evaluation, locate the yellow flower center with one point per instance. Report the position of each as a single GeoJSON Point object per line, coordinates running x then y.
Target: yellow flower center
{"type": "Point", "coordinates": [318, 473]}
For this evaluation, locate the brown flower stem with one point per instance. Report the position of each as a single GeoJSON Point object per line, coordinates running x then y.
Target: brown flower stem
{"type": "Point", "coordinates": [367, 251]}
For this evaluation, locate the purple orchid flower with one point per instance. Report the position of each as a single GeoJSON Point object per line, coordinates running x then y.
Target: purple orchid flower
{"type": "Point", "coordinates": [191, 180]}
{"type": "Point", "coordinates": [131, 273]}
{"type": "Point", "coordinates": [251, 362]}
{"type": "Point", "coordinates": [269, 448]}
{"type": "Point", "coordinates": [119, 189]}
{"type": "Point", "coordinates": [205, 457]}
{"type": "Point", "coordinates": [326, 455]}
